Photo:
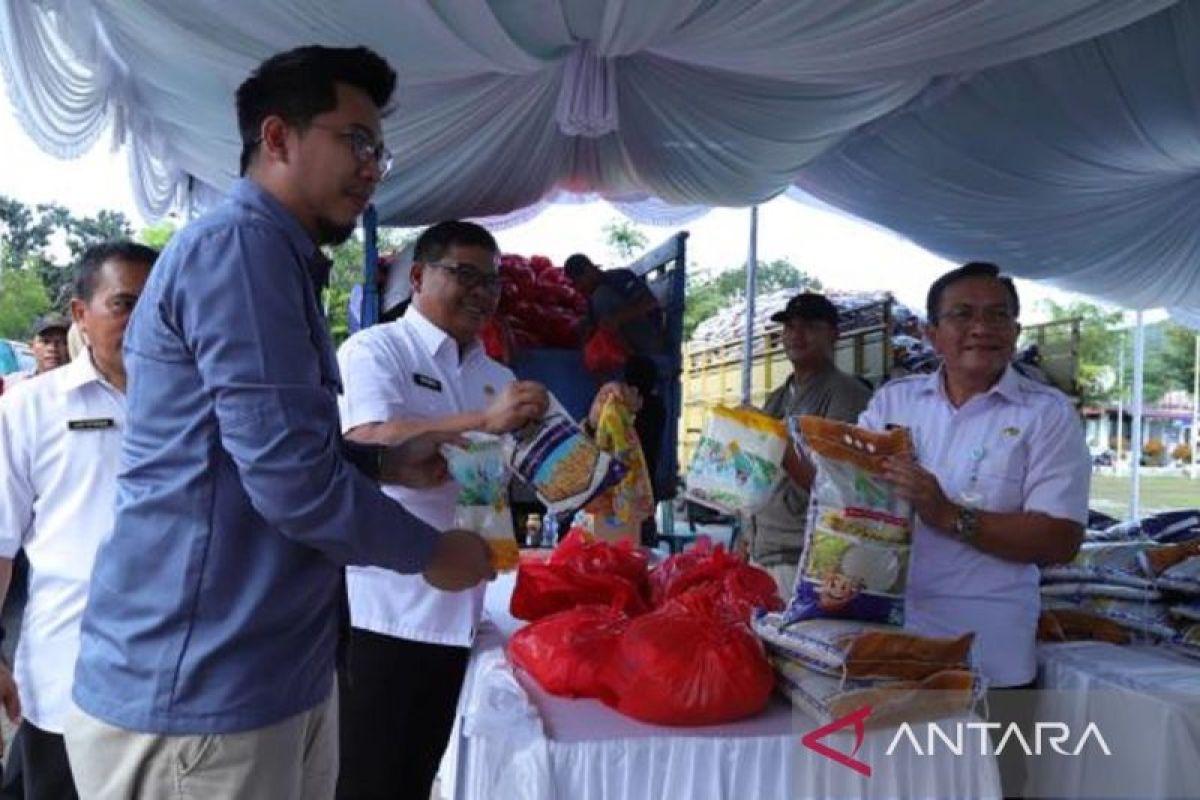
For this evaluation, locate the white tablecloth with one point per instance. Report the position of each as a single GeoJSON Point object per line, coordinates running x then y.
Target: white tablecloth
{"type": "Point", "coordinates": [1145, 702]}
{"type": "Point", "coordinates": [515, 742]}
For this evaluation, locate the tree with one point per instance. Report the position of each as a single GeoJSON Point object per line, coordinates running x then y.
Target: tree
{"type": "Point", "coordinates": [624, 240]}
{"type": "Point", "coordinates": [23, 235]}
{"type": "Point", "coordinates": [347, 272]}
{"type": "Point", "coordinates": [706, 297]}
{"type": "Point", "coordinates": [26, 234]}
{"type": "Point", "coordinates": [1099, 343]}
{"type": "Point", "coordinates": [22, 300]}
{"type": "Point", "coordinates": [157, 236]}
{"type": "Point", "coordinates": [1177, 358]}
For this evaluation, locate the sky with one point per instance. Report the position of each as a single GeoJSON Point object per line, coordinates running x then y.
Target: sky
{"type": "Point", "coordinates": [842, 252]}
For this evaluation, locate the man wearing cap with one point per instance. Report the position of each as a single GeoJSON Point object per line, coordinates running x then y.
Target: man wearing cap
{"type": "Point", "coordinates": [60, 443]}
{"type": "Point", "coordinates": [49, 346]}
{"type": "Point", "coordinates": [816, 387]}
{"type": "Point", "coordinates": [619, 300]}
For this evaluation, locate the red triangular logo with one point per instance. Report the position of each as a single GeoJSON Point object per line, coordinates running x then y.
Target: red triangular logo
{"type": "Point", "coordinates": [858, 720]}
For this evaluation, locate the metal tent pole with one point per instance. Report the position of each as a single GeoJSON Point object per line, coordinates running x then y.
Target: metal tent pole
{"type": "Point", "coordinates": [1135, 444]}
{"type": "Point", "coordinates": [751, 291]}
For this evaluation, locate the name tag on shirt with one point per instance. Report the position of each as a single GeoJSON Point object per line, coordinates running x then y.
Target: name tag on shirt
{"type": "Point", "coordinates": [427, 382]}
{"type": "Point", "coordinates": [98, 424]}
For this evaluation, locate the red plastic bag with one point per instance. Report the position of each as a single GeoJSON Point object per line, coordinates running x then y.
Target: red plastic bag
{"type": "Point", "coordinates": [695, 566]}
{"type": "Point", "coordinates": [497, 340]}
{"type": "Point", "coordinates": [580, 551]}
{"type": "Point", "coordinates": [543, 589]}
{"type": "Point", "coordinates": [733, 598]}
{"type": "Point", "coordinates": [676, 667]}
{"type": "Point", "coordinates": [568, 653]}
{"type": "Point", "coordinates": [604, 352]}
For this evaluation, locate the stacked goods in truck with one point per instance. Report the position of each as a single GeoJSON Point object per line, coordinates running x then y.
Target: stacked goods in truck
{"type": "Point", "coordinates": [538, 308]}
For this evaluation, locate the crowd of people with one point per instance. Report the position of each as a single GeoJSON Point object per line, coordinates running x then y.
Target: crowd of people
{"type": "Point", "coordinates": [244, 577]}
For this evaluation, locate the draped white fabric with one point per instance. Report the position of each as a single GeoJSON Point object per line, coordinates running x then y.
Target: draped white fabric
{"type": "Point", "coordinates": [1081, 167]}
{"type": "Point", "coordinates": [1145, 701]}
{"type": "Point", "coordinates": [981, 128]}
{"type": "Point", "coordinates": [513, 740]}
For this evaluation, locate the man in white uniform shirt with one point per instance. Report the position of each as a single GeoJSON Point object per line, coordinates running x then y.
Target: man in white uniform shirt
{"type": "Point", "coordinates": [60, 444]}
{"type": "Point", "coordinates": [999, 484]}
{"type": "Point", "coordinates": [409, 642]}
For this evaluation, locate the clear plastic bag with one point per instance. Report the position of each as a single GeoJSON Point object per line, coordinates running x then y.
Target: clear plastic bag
{"type": "Point", "coordinates": [481, 471]}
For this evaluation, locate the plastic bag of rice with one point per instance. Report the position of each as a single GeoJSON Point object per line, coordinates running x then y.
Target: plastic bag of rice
{"type": "Point", "coordinates": [859, 530]}
{"type": "Point", "coordinates": [480, 470]}
{"type": "Point", "coordinates": [739, 460]}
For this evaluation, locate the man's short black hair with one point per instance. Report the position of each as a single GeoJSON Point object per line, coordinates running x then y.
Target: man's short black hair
{"type": "Point", "coordinates": [437, 239]}
{"type": "Point", "coordinates": [576, 265]}
{"type": "Point", "coordinates": [299, 85]}
{"type": "Point", "coordinates": [95, 256]}
{"type": "Point", "coordinates": [973, 269]}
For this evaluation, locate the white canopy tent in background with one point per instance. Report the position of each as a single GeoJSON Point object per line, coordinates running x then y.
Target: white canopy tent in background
{"type": "Point", "coordinates": [692, 103]}
{"type": "Point", "coordinates": [1059, 139]}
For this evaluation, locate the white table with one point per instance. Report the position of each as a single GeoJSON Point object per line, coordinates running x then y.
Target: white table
{"type": "Point", "coordinates": [1145, 702]}
{"type": "Point", "coordinates": [514, 741]}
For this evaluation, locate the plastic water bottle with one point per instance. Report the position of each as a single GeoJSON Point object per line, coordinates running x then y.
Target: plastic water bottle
{"type": "Point", "coordinates": [550, 530]}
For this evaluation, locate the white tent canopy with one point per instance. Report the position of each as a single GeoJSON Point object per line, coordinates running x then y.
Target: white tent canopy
{"type": "Point", "coordinates": [1057, 138]}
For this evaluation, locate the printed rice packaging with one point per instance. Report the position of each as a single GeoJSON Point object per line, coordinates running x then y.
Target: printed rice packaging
{"type": "Point", "coordinates": [480, 469]}
{"type": "Point", "coordinates": [565, 468]}
{"type": "Point", "coordinates": [739, 460]}
{"type": "Point", "coordinates": [859, 530]}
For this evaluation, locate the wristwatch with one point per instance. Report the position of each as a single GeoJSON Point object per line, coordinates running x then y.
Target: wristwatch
{"type": "Point", "coordinates": [966, 524]}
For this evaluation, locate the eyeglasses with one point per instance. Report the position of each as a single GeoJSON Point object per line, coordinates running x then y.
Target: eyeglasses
{"type": "Point", "coordinates": [992, 316]}
{"type": "Point", "coordinates": [468, 276]}
{"type": "Point", "coordinates": [366, 150]}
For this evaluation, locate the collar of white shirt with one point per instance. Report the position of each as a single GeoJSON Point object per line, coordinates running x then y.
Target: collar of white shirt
{"type": "Point", "coordinates": [434, 339]}
{"type": "Point", "coordinates": [80, 372]}
{"type": "Point", "coordinates": [1008, 387]}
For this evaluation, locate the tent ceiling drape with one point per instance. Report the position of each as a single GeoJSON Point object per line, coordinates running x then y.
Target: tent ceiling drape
{"type": "Point", "coordinates": [1058, 138]}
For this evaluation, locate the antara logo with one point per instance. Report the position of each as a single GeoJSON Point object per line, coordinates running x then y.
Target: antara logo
{"type": "Point", "coordinates": [858, 720]}
{"type": "Point", "coordinates": [1057, 735]}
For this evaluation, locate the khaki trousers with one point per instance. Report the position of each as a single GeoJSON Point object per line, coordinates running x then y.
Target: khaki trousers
{"type": "Point", "coordinates": [295, 759]}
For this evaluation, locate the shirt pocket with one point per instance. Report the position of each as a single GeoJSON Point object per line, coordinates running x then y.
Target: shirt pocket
{"type": "Point", "coordinates": [1002, 477]}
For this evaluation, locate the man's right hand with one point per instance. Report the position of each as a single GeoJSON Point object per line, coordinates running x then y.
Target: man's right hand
{"type": "Point", "coordinates": [9, 699]}
{"type": "Point", "coordinates": [461, 560]}
{"type": "Point", "coordinates": [520, 403]}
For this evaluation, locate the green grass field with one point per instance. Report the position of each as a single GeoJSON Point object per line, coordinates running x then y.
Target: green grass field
{"type": "Point", "coordinates": [1110, 494]}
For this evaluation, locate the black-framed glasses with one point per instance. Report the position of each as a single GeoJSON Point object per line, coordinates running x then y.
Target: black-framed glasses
{"type": "Point", "coordinates": [992, 316]}
{"type": "Point", "coordinates": [469, 276]}
{"type": "Point", "coordinates": [364, 147]}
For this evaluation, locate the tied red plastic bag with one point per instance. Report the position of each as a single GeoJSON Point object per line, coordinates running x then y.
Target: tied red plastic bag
{"type": "Point", "coordinates": [710, 579]}
{"type": "Point", "coordinates": [544, 589]}
{"type": "Point", "coordinates": [585, 554]}
{"type": "Point", "coordinates": [677, 667]}
{"type": "Point", "coordinates": [568, 653]}
{"type": "Point", "coordinates": [604, 352]}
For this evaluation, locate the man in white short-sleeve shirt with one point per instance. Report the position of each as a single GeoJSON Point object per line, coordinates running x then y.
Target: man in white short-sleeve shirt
{"type": "Point", "coordinates": [409, 642]}
{"type": "Point", "coordinates": [999, 484]}
{"type": "Point", "coordinates": [60, 446]}
{"type": "Point", "coordinates": [1000, 481]}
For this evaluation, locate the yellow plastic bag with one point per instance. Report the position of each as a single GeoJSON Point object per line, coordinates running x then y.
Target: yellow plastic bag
{"type": "Point", "coordinates": [618, 512]}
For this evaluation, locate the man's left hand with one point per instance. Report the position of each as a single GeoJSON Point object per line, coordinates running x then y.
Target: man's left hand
{"type": "Point", "coordinates": [631, 396]}
{"type": "Point", "coordinates": [920, 487]}
{"type": "Point", "coordinates": [417, 461]}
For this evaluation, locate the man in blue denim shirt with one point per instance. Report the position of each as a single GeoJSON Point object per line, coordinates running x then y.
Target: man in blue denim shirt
{"type": "Point", "coordinates": [209, 638]}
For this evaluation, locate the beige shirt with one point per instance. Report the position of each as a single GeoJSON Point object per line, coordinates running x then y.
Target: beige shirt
{"type": "Point", "coordinates": [777, 532]}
